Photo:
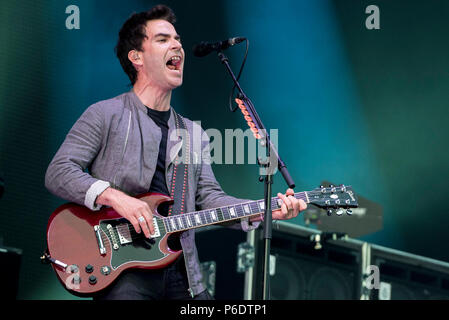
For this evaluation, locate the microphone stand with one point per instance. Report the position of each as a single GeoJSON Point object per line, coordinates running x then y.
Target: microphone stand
{"type": "Point", "coordinates": [271, 154]}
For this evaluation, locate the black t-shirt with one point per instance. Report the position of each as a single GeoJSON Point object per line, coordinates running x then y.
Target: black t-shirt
{"type": "Point", "coordinates": [158, 184]}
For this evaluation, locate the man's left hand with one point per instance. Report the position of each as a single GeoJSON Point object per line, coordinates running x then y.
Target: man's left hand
{"type": "Point", "coordinates": [290, 206]}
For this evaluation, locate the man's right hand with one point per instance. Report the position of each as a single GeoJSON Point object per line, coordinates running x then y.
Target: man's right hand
{"type": "Point", "coordinates": [130, 208]}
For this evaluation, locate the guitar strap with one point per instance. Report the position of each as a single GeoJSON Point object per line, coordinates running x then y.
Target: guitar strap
{"type": "Point", "coordinates": [180, 169]}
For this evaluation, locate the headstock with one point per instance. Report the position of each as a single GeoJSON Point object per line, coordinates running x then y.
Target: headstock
{"type": "Point", "coordinates": [334, 198]}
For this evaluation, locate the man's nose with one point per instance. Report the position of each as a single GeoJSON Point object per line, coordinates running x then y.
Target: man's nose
{"type": "Point", "coordinates": [176, 44]}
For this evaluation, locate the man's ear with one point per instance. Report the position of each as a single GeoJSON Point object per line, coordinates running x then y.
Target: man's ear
{"type": "Point", "coordinates": [135, 57]}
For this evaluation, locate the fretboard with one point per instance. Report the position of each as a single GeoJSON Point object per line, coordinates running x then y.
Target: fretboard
{"type": "Point", "coordinates": [197, 219]}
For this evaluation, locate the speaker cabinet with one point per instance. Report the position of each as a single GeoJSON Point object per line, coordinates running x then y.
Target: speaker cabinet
{"type": "Point", "coordinates": [308, 266]}
{"type": "Point", "coordinates": [10, 260]}
{"type": "Point", "coordinates": [405, 276]}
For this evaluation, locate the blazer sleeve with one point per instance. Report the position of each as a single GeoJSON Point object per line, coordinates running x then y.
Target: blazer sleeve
{"type": "Point", "coordinates": [67, 176]}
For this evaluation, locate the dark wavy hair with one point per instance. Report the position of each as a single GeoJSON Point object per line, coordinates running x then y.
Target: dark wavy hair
{"type": "Point", "coordinates": [132, 34]}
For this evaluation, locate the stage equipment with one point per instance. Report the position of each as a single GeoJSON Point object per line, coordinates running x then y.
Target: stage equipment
{"type": "Point", "coordinates": [308, 265]}
{"type": "Point", "coordinates": [10, 261]}
{"type": "Point", "coordinates": [405, 276]}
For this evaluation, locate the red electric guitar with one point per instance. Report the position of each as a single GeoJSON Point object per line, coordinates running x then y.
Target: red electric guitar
{"type": "Point", "coordinates": [88, 250]}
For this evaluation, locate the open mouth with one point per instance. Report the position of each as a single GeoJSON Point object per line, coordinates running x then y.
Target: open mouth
{"type": "Point", "coordinates": [174, 63]}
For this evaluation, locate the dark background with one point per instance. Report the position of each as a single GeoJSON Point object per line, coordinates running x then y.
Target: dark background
{"type": "Point", "coordinates": [366, 108]}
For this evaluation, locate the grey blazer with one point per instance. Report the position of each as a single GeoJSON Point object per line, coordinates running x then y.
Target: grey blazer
{"type": "Point", "coordinates": [115, 144]}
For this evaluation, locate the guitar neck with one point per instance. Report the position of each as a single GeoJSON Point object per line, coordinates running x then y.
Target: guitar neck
{"type": "Point", "coordinates": [197, 219]}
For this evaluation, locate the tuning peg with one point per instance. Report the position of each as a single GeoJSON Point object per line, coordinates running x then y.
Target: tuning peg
{"type": "Point", "coordinates": [349, 212]}
{"type": "Point", "coordinates": [329, 212]}
{"type": "Point", "coordinates": [339, 212]}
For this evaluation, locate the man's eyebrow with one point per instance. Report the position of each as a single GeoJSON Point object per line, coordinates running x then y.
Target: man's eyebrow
{"type": "Point", "coordinates": [166, 35]}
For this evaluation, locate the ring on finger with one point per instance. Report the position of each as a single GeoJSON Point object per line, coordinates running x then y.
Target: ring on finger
{"type": "Point", "coordinates": [141, 219]}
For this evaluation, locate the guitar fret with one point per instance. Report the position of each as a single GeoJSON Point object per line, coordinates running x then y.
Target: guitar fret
{"type": "Point", "coordinates": [220, 214]}
{"type": "Point", "coordinates": [177, 223]}
{"type": "Point", "coordinates": [254, 207]}
{"type": "Point", "coordinates": [197, 218]}
{"type": "Point", "coordinates": [239, 210]}
{"type": "Point", "coordinates": [166, 225]}
{"type": "Point", "coordinates": [173, 225]}
{"type": "Point", "coordinates": [202, 218]}
{"type": "Point", "coordinates": [189, 222]}
{"type": "Point", "coordinates": [277, 203]}
{"type": "Point", "coordinates": [184, 221]}
{"type": "Point", "coordinates": [226, 213]}
{"type": "Point", "coordinates": [178, 219]}
{"type": "Point", "coordinates": [232, 212]}
{"type": "Point", "coordinates": [246, 209]}
{"type": "Point", "coordinates": [213, 215]}
{"type": "Point", "coordinates": [209, 217]}
{"type": "Point", "coordinates": [204, 215]}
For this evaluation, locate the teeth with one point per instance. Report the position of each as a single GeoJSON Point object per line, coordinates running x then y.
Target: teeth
{"type": "Point", "coordinates": [176, 58]}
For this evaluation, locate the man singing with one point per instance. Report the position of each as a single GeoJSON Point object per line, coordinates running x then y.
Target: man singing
{"type": "Point", "coordinates": [121, 147]}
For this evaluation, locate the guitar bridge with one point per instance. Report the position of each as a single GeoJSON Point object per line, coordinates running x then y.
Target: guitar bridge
{"type": "Point", "coordinates": [99, 240]}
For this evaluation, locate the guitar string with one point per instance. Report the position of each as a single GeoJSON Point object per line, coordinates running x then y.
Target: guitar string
{"type": "Point", "coordinates": [160, 221]}
{"type": "Point", "coordinates": [275, 206]}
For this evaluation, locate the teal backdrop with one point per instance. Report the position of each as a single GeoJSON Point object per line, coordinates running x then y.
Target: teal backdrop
{"type": "Point", "coordinates": [362, 107]}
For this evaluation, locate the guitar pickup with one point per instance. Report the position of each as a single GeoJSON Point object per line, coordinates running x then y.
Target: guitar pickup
{"type": "Point", "coordinates": [157, 233]}
{"type": "Point", "coordinates": [124, 234]}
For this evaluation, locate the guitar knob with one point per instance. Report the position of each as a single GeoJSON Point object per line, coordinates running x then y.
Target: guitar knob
{"type": "Point", "coordinates": [339, 212]}
{"type": "Point", "coordinates": [89, 268]}
{"type": "Point", "coordinates": [349, 212]}
{"type": "Point", "coordinates": [92, 279]}
{"type": "Point", "coordinates": [76, 279]}
{"type": "Point", "coordinates": [73, 268]}
{"type": "Point", "coordinates": [329, 212]}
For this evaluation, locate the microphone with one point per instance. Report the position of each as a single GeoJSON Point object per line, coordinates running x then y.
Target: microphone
{"type": "Point", "coordinates": [204, 48]}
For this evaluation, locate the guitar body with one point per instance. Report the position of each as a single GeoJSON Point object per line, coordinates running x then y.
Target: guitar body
{"type": "Point", "coordinates": [73, 240]}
